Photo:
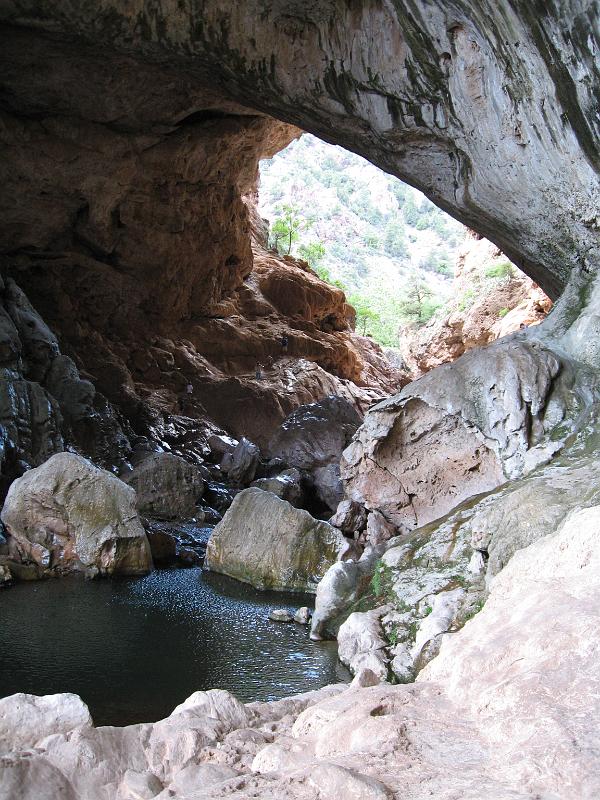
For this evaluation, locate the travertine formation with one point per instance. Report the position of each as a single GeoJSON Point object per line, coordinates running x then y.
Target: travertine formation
{"type": "Point", "coordinates": [507, 710]}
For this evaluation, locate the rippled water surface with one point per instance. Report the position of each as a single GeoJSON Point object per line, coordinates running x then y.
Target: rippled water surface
{"type": "Point", "coordinates": [134, 648]}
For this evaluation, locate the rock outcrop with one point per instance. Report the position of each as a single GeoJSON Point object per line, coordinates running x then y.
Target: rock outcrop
{"type": "Point", "coordinates": [44, 402]}
{"type": "Point", "coordinates": [143, 255]}
{"type": "Point", "coordinates": [530, 654]}
{"type": "Point", "coordinates": [268, 543]}
{"type": "Point", "coordinates": [489, 109]}
{"type": "Point", "coordinates": [70, 516]}
{"type": "Point", "coordinates": [464, 428]}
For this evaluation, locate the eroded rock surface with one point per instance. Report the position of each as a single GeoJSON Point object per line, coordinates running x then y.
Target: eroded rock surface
{"type": "Point", "coordinates": [268, 543]}
{"type": "Point", "coordinates": [462, 730]}
{"type": "Point", "coordinates": [490, 109]}
{"type": "Point", "coordinates": [68, 515]}
{"type": "Point", "coordinates": [463, 429]}
{"type": "Point", "coordinates": [44, 401]}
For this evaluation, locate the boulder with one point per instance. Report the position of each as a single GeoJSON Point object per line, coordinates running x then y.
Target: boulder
{"type": "Point", "coordinates": [287, 486]}
{"type": "Point", "coordinates": [379, 529]}
{"type": "Point", "coordinates": [313, 438]}
{"type": "Point", "coordinates": [68, 515]}
{"type": "Point", "coordinates": [302, 615]}
{"type": "Point", "coordinates": [462, 430]}
{"type": "Point", "coordinates": [268, 543]}
{"type": "Point", "coordinates": [350, 517]}
{"type": "Point", "coordinates": [166, 486]}
{"type": "Point", "coordinates": [280, 615]}
{"type": "Point", "coordinates": [241, 464]}
{"type": "Point", "coordinates": [220, 445]}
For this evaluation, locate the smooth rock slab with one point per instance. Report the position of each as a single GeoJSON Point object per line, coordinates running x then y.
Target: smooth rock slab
{"type": "Point", "coordinates": [268, 543]}
{"type": "Point", "coordinates": [69, 515]}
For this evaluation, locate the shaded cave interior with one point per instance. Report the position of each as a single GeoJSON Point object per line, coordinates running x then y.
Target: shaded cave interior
{"type": "Point", "coordinates": [129, 222]}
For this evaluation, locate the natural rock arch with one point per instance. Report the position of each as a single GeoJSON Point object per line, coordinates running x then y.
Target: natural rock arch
{"type": "Point", "coordinates": [489, 107]}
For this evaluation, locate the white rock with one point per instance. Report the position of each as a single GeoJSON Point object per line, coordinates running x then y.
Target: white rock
{"type": "Point", "coordinates": [361, 643]}
{"type": "Point", "coordinates": [139, 786]}
{"type": "Point", "coordinates": [302, 616]}
{"type": "Point", "coordinates": [25, 719]}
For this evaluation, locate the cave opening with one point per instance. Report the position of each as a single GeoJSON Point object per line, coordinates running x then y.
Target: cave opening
{"type": "Point", "coordinates": [181, 383]}
{"type": "Point", "coordinates": [405, 265]}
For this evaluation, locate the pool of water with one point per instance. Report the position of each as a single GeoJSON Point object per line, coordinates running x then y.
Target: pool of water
{"type": "Point", "coordinates": [134, 648]}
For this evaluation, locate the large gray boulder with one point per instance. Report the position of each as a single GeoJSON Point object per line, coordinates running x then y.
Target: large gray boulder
{"type": "Point", "coordinates": [268, 543]}
{"type": "Point", "coordinates": [167, 486]}
{"type": "Point", "coordinates": [313, 438]}
{"type": "Point", "coordinates": [68, 515]}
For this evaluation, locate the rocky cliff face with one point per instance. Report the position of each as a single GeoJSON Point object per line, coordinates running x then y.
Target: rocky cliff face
{"type": "Point", "coordinates": [128, 220]}
{"type": "Point", "coordinates": [493, 299]}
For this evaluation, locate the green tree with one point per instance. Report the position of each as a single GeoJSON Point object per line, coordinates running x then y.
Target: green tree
{"type": "Point", "coordinates": [366, 316]}
{"type": "Point", "coordinates": [395, 240]}
{"type": "Point", "coordinates": [417, 303]}
{"type": "Point", "coordinates": [285, 230]}
{"type": "Point", "coordinates": [313, 253]}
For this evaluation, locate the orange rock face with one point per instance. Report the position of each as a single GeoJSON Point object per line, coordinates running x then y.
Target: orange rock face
{"type": "Point", "coordinates": [127, 219]}
{"type": "Point", "coordinates": [487, 309]}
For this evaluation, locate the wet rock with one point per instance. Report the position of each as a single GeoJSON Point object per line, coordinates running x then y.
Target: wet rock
{"type": "Point", "coordinates": [210, 515]}
{"type": "Point", "coordinates": [268, 543]}
{"type": "Point", "coordinates": [287, 486]}
{"type": "Point", "coordinates": [68, 515]}
{"type": "Point", "coordinates": [312, 439]}
{"type": "Point", "coordinates": [281, 615]}
{"type": "Point", "coordinates": [302, 616]}
{"type": "Point", "coordinates": [221, 445]}
{"type": "Point", "coordinates": [219, 495]}
{"type": "Point", "coordinates": [242, 463]}
{"type": "Point", "coordinates": [350, 517]}
{"type": "Point", "coordinates": [177, 542]}
{"type": "Point", "coordinates": [166, 486]}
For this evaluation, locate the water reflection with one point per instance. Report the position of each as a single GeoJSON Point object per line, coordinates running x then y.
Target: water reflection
{"type": "Point", "coordinates": [134, 648]}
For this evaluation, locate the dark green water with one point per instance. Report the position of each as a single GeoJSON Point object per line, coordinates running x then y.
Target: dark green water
{"type": "Point", "coordinates": [134, 648]}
